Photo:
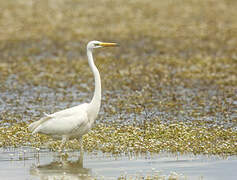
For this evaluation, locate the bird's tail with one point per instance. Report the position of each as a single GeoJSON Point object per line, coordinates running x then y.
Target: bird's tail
{"type": "Point", "coordinates": [32, 127]}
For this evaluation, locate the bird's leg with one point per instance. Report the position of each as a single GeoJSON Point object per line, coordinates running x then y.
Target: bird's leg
{"type": "Point", "coordinates": [81, 146]}
{"type": "Point", "coordinates": [63, 154]}
{"type": "Point", "coordinates": [81, 150]}
{"type": "Point", "coordinates": [64, 140]}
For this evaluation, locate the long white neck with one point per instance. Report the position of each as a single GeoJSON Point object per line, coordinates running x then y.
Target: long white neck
{"type": "Point", "coordinates": [94, 105]}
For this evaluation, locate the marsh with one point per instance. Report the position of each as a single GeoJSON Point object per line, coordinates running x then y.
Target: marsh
{"type": "Point", "coordinates": [170, 87]}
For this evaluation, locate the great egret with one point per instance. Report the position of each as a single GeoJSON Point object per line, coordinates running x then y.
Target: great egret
{"type": "Point", "coordinates": [76, 121]}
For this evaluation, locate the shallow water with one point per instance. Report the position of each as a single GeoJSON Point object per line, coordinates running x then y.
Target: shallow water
{"type": "Point", "coordinates": [176, 69]}
{"type": "Point", "coordinates": [26, 103]}
{"type": "Point", "coordinates": [29, 163]}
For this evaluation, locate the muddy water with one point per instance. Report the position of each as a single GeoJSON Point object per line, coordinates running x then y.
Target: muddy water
{"type": "Point", "coordinates": [29, 163]}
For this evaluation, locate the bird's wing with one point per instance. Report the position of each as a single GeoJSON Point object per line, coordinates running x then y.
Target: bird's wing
{"type": "Point", "coordinates": [62, 122]}
{"type": "Point", "coordinates": [36, 124]}
{"type": "Point", "coordinates": [70, 111]}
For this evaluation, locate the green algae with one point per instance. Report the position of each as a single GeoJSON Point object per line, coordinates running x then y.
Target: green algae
{"type": "Point", "coordinates": [152, 137]}
{"type": "Point", "coordinates": [155, 176]}
{"type": "Point", "coordinates": [177, 62]}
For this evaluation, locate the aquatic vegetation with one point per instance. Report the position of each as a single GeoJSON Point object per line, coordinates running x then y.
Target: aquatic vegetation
{"type": "Point", "coordinates": [170, 86]}
{"type": "Point", "coordinates": [151, 137]}
{"type": "Point", "coordinates": [156, 176]}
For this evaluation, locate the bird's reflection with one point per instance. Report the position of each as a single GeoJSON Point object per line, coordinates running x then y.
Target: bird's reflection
{"type": "Point", "coordinates": [62, 169]}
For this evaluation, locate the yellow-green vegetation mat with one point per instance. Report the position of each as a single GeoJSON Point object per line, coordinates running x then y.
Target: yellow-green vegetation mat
{"type": "Point", "coordinates": [175, 69]}
{"type": "Point", "coordinates": [152, 137]}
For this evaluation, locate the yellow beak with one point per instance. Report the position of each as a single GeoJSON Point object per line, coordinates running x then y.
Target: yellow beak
{"type": "Point", "coordinates": [104, 44]}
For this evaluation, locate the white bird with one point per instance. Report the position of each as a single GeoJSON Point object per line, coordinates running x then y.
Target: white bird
{"type": "Point", "coordinates": [76, 121]}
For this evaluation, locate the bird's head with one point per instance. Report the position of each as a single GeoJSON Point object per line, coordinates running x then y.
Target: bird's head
{"type": "Point", "coordinates": [97, 44]}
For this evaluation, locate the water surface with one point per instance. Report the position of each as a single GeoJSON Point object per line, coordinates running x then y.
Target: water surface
{"type": "Point", "coordinates": [29, 163]}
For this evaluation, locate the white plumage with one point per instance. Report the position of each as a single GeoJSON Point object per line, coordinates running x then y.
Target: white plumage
{"type": "Point", "coordinates": [76, 121]}
{"type": "Point", "coordinates": [67, 122]}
